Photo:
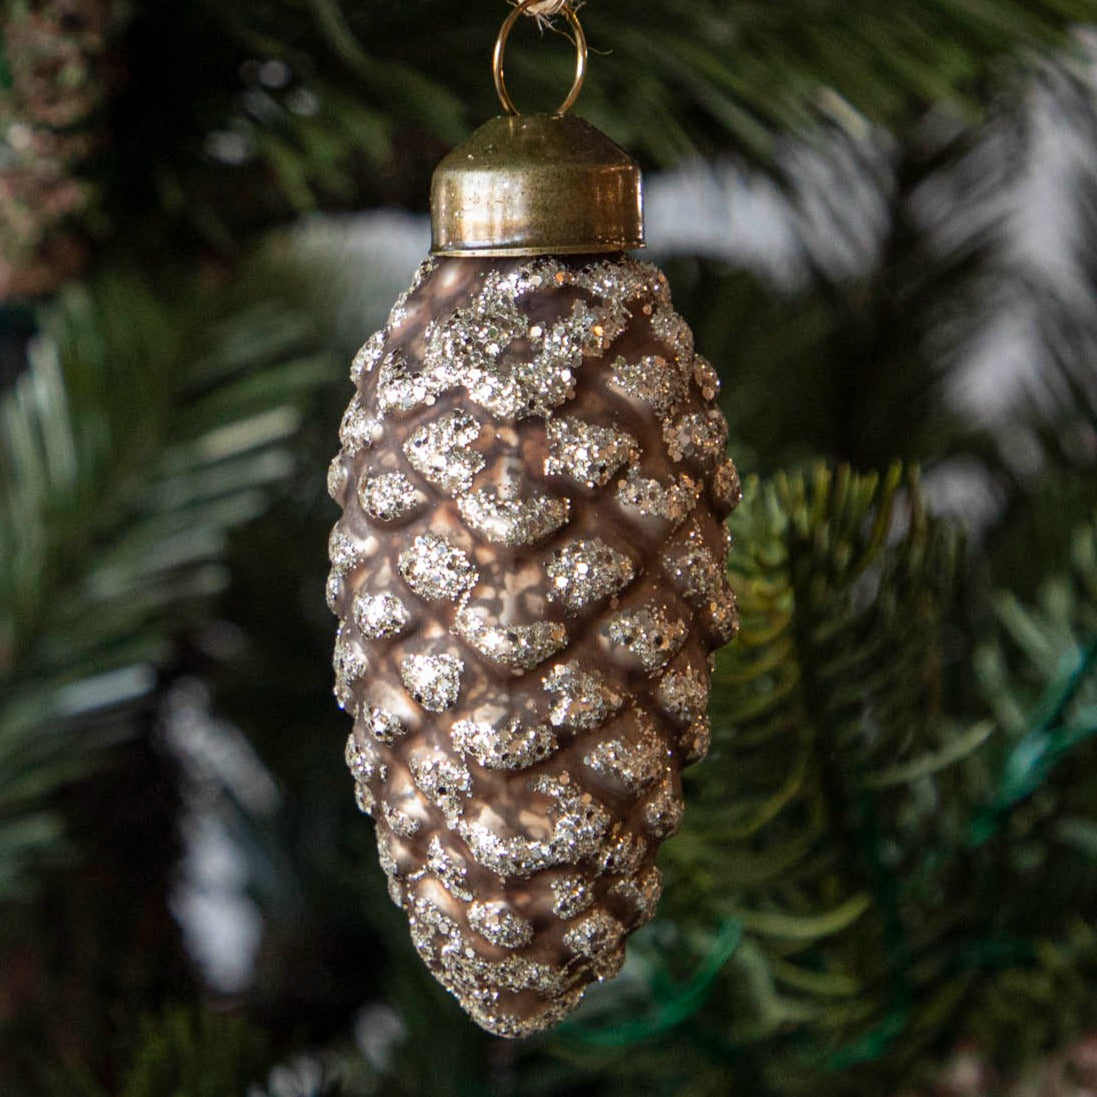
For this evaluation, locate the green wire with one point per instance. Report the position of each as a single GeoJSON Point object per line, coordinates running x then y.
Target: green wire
{"type": "Point", "coordinates": [674, 1007]}
{"type": "Point", "coordinates": [1026, 767]}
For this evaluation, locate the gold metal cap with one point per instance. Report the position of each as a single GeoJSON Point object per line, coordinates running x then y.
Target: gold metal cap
{"type": "Point", "coordinates": [536, 184]}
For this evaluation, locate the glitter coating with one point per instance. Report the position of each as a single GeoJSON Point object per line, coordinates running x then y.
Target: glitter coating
{"type": "Point", "coordinates": [513, 521]}
{"type": "Point", "coordinates": [697, 436]}
{"type": "Point", "coordinates": [367, 357]}
{"type": "Point", "coordinates": [642, 893]}
{"type": "Point", "coordinates": [582, 700]}
{"type": "Point", "coordinates": [692, 568]}
{"type": "Point", "coordinates": [385, 727]}
{"type": "Point", "coordinates": [652, 499]}
{"type": "Point", "coordinates": [648, 636]}
{"type": "Point", "coordinates": [497, 923]}
{"type": "Point", "coordinates": [433, 680]}
{"type": "Point", "coordinates": [529, 575]}
{"type": "Point", "coordinates": [451, 869]}
{"type": "Point", "coordinates": [650, 379]}
{"type": "Point", "coordinates": [663, 810]}
{"type": "Point", "coordinates": [434, 568]}
{"type": "Point", "coordinates": [350, 664]}
{"type": "Point", "coordinates": [598, 937]}
{"type": "Point", "coordinates": [444, 781]}
{"type": "Point", "coordinates": [380, 615]}
{"type": "Point", "coordinates": [683, 694]}
{"type": "Point", "coordinates": [673, 332]}
{"type": "Point", "coordinates": [585, 572]}
{"type": "Point", "coordinates": [337, 479]}
{"type": "Point", "coordinates": [726, 489]}
{"type": "Point", "coordinates": [633, 763]}
{"type": "Point", "coordinates": [359, 430]}
{"type": "Point", "coordinates": [439, 451]}
{"type": "Point", "coordinates": [507, 744]}
{"type": "Point", "coordinates": [586, 452]}
{"type": "Point", "coordinates": [572, 829]}
{"type": "Point", "coordinates": [389, 496]}
{"type": "Point", "coordinates": [522, 647]}
{"type": "Point", "coordinates": [571, 895]}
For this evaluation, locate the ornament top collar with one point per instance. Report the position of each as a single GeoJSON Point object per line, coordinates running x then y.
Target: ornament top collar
{"type": "Point", "coordinates": [536, 184]}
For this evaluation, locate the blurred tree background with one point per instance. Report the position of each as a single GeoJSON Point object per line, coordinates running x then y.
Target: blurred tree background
{"type": "Point", "coordinates": [881, 221]}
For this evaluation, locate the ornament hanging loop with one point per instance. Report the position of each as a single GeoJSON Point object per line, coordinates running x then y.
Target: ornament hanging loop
{"type": "Point", "coordinates": [500, 49]}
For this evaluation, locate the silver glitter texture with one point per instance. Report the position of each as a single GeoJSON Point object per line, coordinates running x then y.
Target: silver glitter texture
{"type": "Point", "coordinates": [439, 451]}
{"type": "Point", "coordinates": [673, 332]}
{"type": "Point", "coordinates": [726, 488]}
{"type": "Point", "coordinates": [692, 568]}
{"type": "Point", "coordinates": [634, 763]}
{"type": "Point", "coordinates": [683, 694]}
{"type": "Point", "coordinates": [399, 821]}
{"type": "Point", "coordinates": [585, 572]}
{"type": "Point", "coordinates": [359, 430]}
{"type": "Point", "coordinates": [571, 895]}
{"type": "Point", "coordinates": [651, 499]}
{"type": "Point", "coordinates": [445, 782]}
{"type": "Point", "coordinates": [582, 700]}
{"type": "Point", "coordinates": [344, 551]}
{"type": "Point", "coordinates": [434, 568]}
{"type": "Point", "coordinates": [389, 496]}
{"type": "Point", "coordinates": [364, 798]}
{"type": "Point", "coordinates": [365, 766]}
{"type": "Point", "coordinates": [337, 479]}
{"type": "Point", "coordinates": [384, 726]}
{"type": "Point", "coordinates": [362, 760]}
{"type": "Point", "coordinates": [642, 893]}
{"type": "Point", "coordinates": [586, 452]}
{"type": "Point", "coordinates": [521, 647]}
{"type": "Point", "coordinates": [402, 389]}
{"type": "Point", "coordinates": [513, 522]}
{"type": "Point", "coordinates": [433, 680]}
{"type": "Point", "coordinates": [380, 615]}
{"type": "Point", "coordinates": [648, 634]}
{"type": "Point", "coordinates": [450, 868]}
{"type": "Point", "coordinates": [367, 357]}
{"type": "Point", "coordinates": [622, 852]}
{"type": "Point", "coordinates": [496, 922]}
{"type": "Point", "coordinates": [697, 436]}
{"type": "Point", "coordinates": [350, 664]}
{"type": "Point", "coordinates": [572, 830]}
{"type": "Point", "coordinates": [624, 281]}
{"type": "Point", "coordinates": [651, 379]}
{"type": "Point", "coordinates": [598, 936]}
{"type": "Point", "coordinates": [482, 979]}
{"type": "Point", "coordinates": [333, 590]}
{"type": "Point", "coordinates": [507, 744]}
{"type": "Point", "coordinates": [663, 810]}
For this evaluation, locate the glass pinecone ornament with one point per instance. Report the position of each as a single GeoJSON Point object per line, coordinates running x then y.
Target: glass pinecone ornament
{"type": "Point", "coordinates": [530, 573]}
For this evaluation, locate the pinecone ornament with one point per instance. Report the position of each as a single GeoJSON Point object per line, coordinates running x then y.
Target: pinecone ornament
{"type": "Point", "coordinates": [530, 578]}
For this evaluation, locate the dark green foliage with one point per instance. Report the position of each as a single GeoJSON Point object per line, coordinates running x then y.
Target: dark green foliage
{"type": "Point", "coordinates": [207, 144]}
{"type": "Point", "coordinates": [136, 438]}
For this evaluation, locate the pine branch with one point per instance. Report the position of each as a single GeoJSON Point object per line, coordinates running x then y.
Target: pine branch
{"type": "Point", "coordinates": [232, 117]}
{"type": "Point", "coordinates": [133, 443]}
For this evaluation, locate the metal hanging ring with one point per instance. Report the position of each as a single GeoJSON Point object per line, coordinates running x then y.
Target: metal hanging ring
{"type": "Point", "coordinates": [500, 49]}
